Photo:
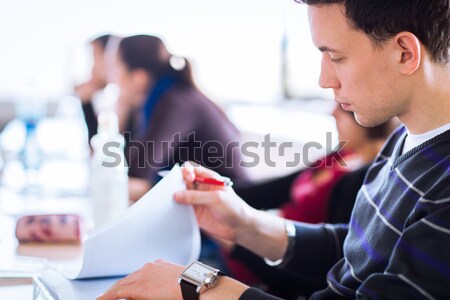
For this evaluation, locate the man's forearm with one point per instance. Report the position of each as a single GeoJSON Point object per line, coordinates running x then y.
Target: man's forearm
{"type": "Point", "coordinates": [264, 234]}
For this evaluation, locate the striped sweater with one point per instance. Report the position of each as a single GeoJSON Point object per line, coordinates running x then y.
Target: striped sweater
{"type": "Point", "coordinates": [397, 244]}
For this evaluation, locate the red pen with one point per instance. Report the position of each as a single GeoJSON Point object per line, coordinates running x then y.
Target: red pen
{"type": "Point", "coordinates": [223, 181]}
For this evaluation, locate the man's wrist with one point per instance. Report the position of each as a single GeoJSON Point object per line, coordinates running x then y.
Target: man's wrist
{"type": "Point", "coordinates": [226, 288]}
{"type": "Point", "coordinates": [263, 227]}
{"type": "Point", "coordinates": [248, 227]}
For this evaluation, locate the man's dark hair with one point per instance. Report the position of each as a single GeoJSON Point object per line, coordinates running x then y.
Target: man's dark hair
{"type": "Point", "coordinates": [429, 20]}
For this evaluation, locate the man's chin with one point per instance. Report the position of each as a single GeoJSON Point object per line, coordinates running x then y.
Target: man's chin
{"type": "Point", "coordinates": [368, 122]}
{"type": "Point", "coordinates": [364, 121]}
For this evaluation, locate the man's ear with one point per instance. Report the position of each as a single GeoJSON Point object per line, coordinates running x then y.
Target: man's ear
{"type": "Point", "coordinates": [409, 49]}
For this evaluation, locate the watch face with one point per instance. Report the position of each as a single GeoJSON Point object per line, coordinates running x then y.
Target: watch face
{"type": "Point", "coordinates": [197, 272]}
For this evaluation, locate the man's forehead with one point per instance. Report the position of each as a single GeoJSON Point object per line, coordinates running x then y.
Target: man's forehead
{"type": "Point", "coordinates": [329, 27]}
{"type": "Point", "coordinates": [330, 12]}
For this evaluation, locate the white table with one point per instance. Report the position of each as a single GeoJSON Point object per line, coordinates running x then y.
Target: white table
{"type": "Point", "coordinates": [28, 258]}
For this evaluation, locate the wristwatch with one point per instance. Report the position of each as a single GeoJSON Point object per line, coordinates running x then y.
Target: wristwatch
{"type": "Point", "coordinates": [196, 278]}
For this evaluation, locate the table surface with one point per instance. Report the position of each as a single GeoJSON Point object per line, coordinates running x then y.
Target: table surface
{"type": "Point", "coordinates": [59, 185]}
{"type": "Point", "coordinates": [24, 260]}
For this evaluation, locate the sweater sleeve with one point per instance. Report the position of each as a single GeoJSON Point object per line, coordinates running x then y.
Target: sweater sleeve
{"type": "Point", "coordinates": [317, 249]}
{"type": "Point", "coordinates": [280, 282]}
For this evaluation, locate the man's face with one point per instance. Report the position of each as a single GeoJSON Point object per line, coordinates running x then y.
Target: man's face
{"type": "Point", "coordinates": [363, 77]}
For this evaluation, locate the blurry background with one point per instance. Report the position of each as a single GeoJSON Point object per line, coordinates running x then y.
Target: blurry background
{"type": "Point", "coordinates": [255, 58]}
{"type": "Point", "coordinates": [236, 46]}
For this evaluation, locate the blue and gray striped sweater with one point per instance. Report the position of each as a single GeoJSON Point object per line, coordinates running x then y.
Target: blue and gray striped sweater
{"type": "Point", "coordinates": [397, 245]}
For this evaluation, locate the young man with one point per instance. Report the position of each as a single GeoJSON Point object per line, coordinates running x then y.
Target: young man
{"type": "Point", "coordinates": [382, 59]}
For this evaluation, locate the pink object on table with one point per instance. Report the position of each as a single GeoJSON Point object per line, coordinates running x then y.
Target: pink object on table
{"type": "Point", "coordinates": [53, 228]}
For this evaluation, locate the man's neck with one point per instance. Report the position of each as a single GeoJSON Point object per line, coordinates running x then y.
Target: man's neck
{"type": "Point", "coordinates": [430, 106]}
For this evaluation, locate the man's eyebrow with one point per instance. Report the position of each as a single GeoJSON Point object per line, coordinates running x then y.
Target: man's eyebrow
{"type": "Point", "coordinates": [327, 49]}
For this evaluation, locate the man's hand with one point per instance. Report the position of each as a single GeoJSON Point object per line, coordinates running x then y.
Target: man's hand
{"type": "Point", "coordinates": [219, 210]}
{"type": "Point", "coordinates": [86, 90]}
{"type": "Point", "coordinates": [224, 215]}
{"type": "Point", "coordinates": [158, 281]}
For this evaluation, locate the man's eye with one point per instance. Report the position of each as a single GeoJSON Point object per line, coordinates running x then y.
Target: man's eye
{"type": "Point", "coordinates": [336, 60]}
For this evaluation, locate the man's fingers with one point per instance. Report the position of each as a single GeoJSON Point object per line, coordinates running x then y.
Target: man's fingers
{"type": "Point", "coordinates": [130, 279]}
{"type": "Point", "coordinates": [117, 293]}
{"type": "Point", "coordinates": [196, 197]}
{"type": "Point", "coordinates": [204, 172]}
{"type": "Point", "coordinates": [120, 285]}
{"type": "Point", "coordinates": [190, 170]}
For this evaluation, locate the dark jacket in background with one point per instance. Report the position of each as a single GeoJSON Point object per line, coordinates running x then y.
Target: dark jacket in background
{"type": "Point", "coordinates": [184, 125]}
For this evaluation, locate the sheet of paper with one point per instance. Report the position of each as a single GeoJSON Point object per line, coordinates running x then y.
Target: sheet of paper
{"type": "Point", "coordinates": [156, 227]}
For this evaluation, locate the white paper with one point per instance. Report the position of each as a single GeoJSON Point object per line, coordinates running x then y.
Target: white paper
{"type": "Point", "coordinates": [156, 227]}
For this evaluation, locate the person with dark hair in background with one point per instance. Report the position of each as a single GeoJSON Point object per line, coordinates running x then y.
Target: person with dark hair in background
{"type": "Point", "coordinates": [171, 120]}
{"type": "Point", "coordinates": [98, 80]}
{"type": "Point", "coordinates": [382, 59]}
{"type": "Point", "coordinates": [303, 195]}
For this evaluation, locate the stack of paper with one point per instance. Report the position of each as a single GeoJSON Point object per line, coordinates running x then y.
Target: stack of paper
{"type": "Point", "coordinates": [156, 227]}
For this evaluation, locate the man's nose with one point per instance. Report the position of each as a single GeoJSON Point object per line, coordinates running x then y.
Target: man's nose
{"type": "Point", "coordinates": [328, 78]}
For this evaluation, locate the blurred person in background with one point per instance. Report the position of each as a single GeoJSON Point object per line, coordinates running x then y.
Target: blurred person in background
{"type": "Point", "coordinates": [102, 73]}
{"type": "Point", "coordinates": [164, 117]}
{"type": "Point", "coordinates": [171, 121]}
{"type": "Point", "coordinates": [304, 195]}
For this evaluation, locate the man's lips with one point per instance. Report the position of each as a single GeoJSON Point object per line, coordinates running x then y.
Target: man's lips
{"type": "Point", "coordinates": [344, 105]}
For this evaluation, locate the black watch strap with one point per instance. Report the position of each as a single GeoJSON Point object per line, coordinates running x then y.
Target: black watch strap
{"type": "Point", "coordinates": [189, 290]}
